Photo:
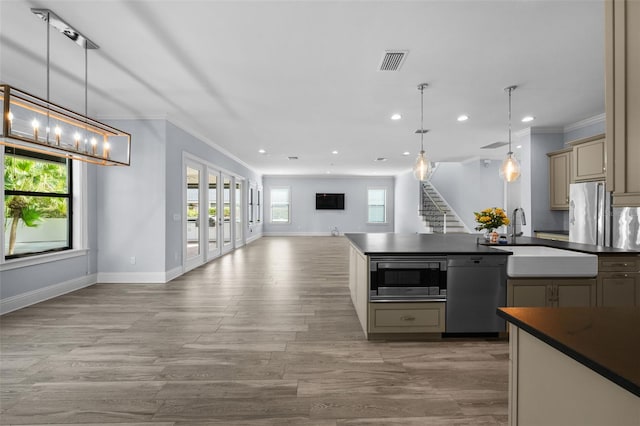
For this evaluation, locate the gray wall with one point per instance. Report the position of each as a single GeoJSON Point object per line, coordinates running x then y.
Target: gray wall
{"type": "Point", "coordinates": [305, 219]}
{"type": "Point", "coordinates": [132, 204]}
{"type": "Point", "coordinates": [592, 129]}
{"type": "Point", "coordinates": [540, 215]}
{"type": "Point", "coordinates": [469, 187]}
{"type": "Point", "coordinates": [407, 190]}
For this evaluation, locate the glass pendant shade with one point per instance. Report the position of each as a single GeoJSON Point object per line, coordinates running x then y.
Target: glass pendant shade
{"type": "Point", "coordinates": [422, 167]}
{"type": "Point", "coordinates": [510, 169]}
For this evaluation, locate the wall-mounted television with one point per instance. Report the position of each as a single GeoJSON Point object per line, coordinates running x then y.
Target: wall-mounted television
{"type": "Point", "coordinates": [329, 201]}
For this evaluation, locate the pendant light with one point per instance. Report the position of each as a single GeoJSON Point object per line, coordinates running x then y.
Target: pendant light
{"type": "Point", "coordinates": [38, 125]}
{"type": "Point", "coordinates": [510, 169]}
{"type": "Point", "coordinates": [422, 166]}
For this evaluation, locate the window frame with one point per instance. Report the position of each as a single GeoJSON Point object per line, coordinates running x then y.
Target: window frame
{"type": "Point", "coordinates": [385, 220]}
{"type": "Point", "coordinates": [70, 196]}
{"type": "Point", "coordinates": [280, 222]}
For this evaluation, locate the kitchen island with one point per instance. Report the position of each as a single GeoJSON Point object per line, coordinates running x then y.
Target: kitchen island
{"type": "Point", "coordinates": [423, 285]}
{"type": "Point", "coordinates": [574, 366]}
{"type": "Point", "coordinates": [617, 282]}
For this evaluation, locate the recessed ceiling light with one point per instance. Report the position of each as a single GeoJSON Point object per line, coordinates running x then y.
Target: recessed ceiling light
{"type": "Point", "coordinates": [528, 118]}
{"type": "Point", "coordinates": [262, 151]}
{"type": "Point", "coordinates": [406, 153]}
{"type": "Point", "coordinates": [396, 117]}
{"type": "Point", "coordinates": [334, 152]}
{"type": "Point", "coordinates": [463, 117]}
{"type": "Point", "coordinates": [328, 172]}
{"type": "Point", "coordinates": [519, 146]}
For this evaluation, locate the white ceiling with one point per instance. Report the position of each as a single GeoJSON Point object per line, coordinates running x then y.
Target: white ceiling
{"type": "Point", "coordinates": [301, 78]}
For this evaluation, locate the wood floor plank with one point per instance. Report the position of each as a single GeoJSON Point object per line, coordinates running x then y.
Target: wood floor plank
{"type": "Point", "coordinates": [266, 335]}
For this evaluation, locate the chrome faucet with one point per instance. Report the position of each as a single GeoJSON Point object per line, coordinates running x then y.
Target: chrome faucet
{"type": "Point", "coordinates": [523, 221]}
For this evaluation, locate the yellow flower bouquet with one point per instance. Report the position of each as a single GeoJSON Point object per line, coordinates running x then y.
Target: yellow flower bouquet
{"type": "Point", "coordinates": [491, 218]}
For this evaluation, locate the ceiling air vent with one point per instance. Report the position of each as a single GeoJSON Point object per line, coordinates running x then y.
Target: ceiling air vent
{"type": "Point", "coordinates": [393, 60]}
{"type": "Point", "coordinates": [494, 145]}
{"type": "Point", "coordinates": [292, 158]}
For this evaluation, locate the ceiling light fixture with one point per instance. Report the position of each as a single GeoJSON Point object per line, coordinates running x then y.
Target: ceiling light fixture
{"type": "Point", "coordinates": [406, 153]}
{"type": "Point", "coordinates": [334, 152]}
{"type": "Point", "coordinates": [262, 151]}
{"type": "Point", "coordinates": [422, 166]}
{"type": "Point", "coordinates": [528, 119]}
{"type": "Point", "coordinates": [510, 169]}
{"type": "Point", "coordinates": [396, 117]}
{"type": "Point", "coordinates": [463, 117]}
{"type": "Point", "coordinates": [23, 115]}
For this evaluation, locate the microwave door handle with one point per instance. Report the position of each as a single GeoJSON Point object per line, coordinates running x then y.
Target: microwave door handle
{"type": "Point", "coordinates": [402, 266]}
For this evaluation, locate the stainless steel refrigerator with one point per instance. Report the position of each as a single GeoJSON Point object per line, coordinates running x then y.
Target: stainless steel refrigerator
{"type": "Point", "coordinates": [592, 219]}
{"type": "Point", "coordinates": [626, 228]}
{"type": "Point", "coordinates": [589, 214]}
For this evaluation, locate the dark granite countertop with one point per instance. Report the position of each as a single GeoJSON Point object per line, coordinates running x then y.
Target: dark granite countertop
{"type": "Point", "coordinates": [413, 244]}
{"type": "Point", "coordinates": [410, 244]}
{"type": "Point", "coordinates": [584, 248]}
{"type": "Point", "coordinates": [606, 340]}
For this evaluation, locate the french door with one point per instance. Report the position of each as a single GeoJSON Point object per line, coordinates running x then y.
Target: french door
{"type": "Point", "coordinates": [213, 218]}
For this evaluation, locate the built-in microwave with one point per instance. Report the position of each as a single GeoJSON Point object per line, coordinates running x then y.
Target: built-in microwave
{"type": "Point", "coordinates": [408, 279]}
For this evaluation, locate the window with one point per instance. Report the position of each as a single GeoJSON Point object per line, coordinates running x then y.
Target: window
{"type": "Point", "coordinates": [280, 205]}
{"type": "Point", "coordinates": [37, 203]}
{"type": "Point", "coordinates": [376, 205]}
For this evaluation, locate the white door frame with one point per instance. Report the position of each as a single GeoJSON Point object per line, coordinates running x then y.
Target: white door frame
{"type": "Point", "coordinates": [189, 263]}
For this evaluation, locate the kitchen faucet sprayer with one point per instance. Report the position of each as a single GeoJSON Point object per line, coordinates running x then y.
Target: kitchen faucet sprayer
{"type": "Point", "coordinates": [523, 221]}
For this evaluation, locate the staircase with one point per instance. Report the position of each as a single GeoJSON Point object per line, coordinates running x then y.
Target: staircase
{"type": "Point", "coordinates": [436, 213]}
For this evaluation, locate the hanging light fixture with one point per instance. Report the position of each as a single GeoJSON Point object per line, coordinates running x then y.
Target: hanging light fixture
{"type": "Point", "coordinates": [422, 166]}
{"type": "Point", "coordinates": [34, 124]}
{"type": "Point", "coordinates": [510, 169]}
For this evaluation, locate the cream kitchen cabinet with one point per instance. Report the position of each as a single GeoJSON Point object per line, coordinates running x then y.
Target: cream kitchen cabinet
{"type": "Point", "coordinates": [407, 317]}
{"type": "Point", "coordinates": [552, 292]}
{"type": "Point", "coordinates": [589, 160]}
{"type": "Point", "coordinates": [622, 95]}
{"type": "Point", "coordinates": [359, 284]}
{"type": "Point", "coordinates": [618, 281]}
{"type": "Point", "coordinates": [559, 179]}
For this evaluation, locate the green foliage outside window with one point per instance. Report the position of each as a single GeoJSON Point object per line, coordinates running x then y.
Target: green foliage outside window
{"type": "Point", "coordinates": [32, 175]}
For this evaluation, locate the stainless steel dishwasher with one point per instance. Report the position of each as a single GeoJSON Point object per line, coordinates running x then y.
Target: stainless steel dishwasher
{"type": "Point", "coordinates": [476, 286]}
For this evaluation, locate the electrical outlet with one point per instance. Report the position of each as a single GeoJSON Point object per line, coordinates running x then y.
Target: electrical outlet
{"type": "Point", "coordinates": [132, 260]}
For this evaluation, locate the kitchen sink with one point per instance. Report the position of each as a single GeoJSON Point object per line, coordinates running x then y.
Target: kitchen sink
{"type": "Point", "coordinates": [540, 261]}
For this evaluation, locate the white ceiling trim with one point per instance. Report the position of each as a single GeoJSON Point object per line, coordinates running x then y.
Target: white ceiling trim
{"type": "Point", "coordinates": [586, 122]}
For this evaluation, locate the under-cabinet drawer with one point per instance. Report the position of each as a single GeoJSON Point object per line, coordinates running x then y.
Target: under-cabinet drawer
{"type": "Point", "coordinates": [427, 317]}
{"type": "Point", "coordinates": [621, 264]}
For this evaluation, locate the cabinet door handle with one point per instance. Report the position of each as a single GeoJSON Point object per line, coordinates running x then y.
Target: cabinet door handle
{"type": "Point", "coordinates": [619, 264]}
{"type": "Point", "coordinates": [407, 318]}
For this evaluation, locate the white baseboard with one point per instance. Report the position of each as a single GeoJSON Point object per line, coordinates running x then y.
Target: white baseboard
{"type": "Point", "coordinates": [173, 273]}
{"type": "Point", "coordinates": [139, 277]}
{"type": "Point", "coordinates": [23, 300]}
{"type": "Point", "coordinates": [297, 234]}
{"type": "Point", "coordinates": [254, 238]}
{"type": "Point", "coordinates": [131, 277]}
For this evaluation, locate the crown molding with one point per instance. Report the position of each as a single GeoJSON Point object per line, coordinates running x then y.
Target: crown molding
{"type": "Point", "coordinates": [585, 123]}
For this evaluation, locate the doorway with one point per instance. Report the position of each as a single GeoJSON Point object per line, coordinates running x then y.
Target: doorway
{"type": "Point", "coordinates": [213, 221]}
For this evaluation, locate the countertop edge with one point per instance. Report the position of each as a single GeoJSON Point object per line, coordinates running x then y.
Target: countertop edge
{"type": "Point", "coordinates": [577, 356]}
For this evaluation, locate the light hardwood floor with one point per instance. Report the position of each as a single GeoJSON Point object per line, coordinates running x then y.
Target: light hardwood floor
{"type": "Point", "coordinates": [266, 335]}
